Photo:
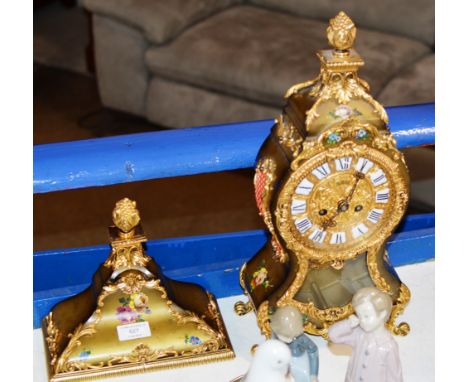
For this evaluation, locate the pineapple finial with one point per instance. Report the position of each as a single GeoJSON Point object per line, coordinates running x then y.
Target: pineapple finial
{"type": "Point", "coordinates": [341, 32]}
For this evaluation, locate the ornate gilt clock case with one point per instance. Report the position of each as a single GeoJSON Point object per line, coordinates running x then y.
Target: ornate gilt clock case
{"type": "Point", "coordinates": [331, 187]}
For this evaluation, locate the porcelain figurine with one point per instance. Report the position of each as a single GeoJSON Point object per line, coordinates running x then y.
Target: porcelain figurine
{"type": "Point", "coordinates": [288, 326]}
{"type": "Point", "coordinates": [270, 363]}
{"type": "Point", "coordinates": [375, 352]}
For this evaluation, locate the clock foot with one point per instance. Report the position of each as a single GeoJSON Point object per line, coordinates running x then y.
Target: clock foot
{"type": "Point", "coordinates": [242, 308]}
{"type": "Point", "coordinates": [401, 330]}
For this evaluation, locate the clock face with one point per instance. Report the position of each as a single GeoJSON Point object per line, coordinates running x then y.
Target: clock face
{"type": "Point", "coordinates": [338, 200]}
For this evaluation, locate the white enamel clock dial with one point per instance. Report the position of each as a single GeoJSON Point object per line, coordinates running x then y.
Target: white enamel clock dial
{"type": "Point", "coordinates": [336, 202]}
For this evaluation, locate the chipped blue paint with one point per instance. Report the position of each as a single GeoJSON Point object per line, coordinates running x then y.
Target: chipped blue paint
{"type": "Point", "coordinates": [129, 168]}
{"type": "Point", "coordinates": [136, 157]}
{"type": "Point", "coordinates": [413, 125]}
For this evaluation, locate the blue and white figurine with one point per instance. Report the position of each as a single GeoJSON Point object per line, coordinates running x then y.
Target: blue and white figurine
{"type": "Point", "coordinates": [287, 326]}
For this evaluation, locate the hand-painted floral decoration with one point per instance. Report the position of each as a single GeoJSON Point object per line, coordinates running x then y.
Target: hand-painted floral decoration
{"type": "Point", "coordinates": [362, 135]}
{"type": "Point", "coordinates": [260, 277]}
{"type": "Point", "coordinates": [343, 112]}
{"type": "Point", "coordinates": [84, 354]}
{"type": "Point", "coordinates": [132, 308]}
{"type": "Point", "coordinates": [333, 138]}
{"type": "Point", "coordinates": [192, 340]}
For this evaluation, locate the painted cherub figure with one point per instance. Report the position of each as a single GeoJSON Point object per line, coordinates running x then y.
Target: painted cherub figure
{"type": "Point", "coordinates": [287, 325]}
{"type": "Point", "coordinates": [375, 352]}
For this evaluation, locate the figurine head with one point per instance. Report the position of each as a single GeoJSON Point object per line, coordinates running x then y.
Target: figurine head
{"type": "Point", "coordinates": [273, 355]}
{"type": "Point", "coordinates": [287, 323]}
{"type": "Point", "coordinates": [372, 307]}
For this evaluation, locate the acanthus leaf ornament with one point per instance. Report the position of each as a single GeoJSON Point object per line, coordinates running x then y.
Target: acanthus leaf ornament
{"type": "Point", "coordinates": [288, 136]}
{"type": "Point", "coordinates": [334, 188]}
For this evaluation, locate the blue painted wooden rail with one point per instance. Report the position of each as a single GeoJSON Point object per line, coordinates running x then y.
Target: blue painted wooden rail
{"type": "Point", "coordinates": [129, 158]}
{"type": "Point", "coordinates": [213, 260]}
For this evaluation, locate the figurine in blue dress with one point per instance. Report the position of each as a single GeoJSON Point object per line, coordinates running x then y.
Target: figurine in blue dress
{"type": "Point", "coordinates": [287, 326]}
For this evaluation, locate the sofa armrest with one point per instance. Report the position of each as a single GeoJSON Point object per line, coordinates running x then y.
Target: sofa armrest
{"type": "Point", "coordinates": [160, 20]}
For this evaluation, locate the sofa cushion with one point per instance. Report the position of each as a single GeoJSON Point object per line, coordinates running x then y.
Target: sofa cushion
{"type": "Point", "coordinates": [258, 54]}
{"type": "Point", "coordinates": [159, 20]}
{"type": "Point", "coordinates": [413, 18]}
{"type": "Point", "coordinates": [415, 84]}
{"type": "Point", "coordinates": [200, 106]}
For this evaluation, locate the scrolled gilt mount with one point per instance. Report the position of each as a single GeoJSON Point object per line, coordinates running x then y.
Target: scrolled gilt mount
{"type": "Point", "coordinates": [331, 187]}
{"type": "Point", "coordinates": [132, 318]}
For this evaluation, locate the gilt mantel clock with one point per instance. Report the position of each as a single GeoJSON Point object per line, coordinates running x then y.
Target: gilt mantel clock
{"type": "Point", "coordinates": [331, 187]}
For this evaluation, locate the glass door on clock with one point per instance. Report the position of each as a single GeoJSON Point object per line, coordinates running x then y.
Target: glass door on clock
{"type": "Point", "coordinates": [329, 287]}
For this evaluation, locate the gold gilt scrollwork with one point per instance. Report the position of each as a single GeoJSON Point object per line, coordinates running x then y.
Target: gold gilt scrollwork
{"type": "Point", "coordinates": [129, 284]}
{"type": "Point", "coordinates": [263, 319]}
{"type": "Point", "coordinates": [402, 300]}
{"type": "Point", "coordinates": [288, 136]}
{"type": "Point", "coordinates": [337, 264]}
{"type": "Point", "coordinates": [241, 278]}
{"type": "Point", "coordinates": [313, 87]}
{"type": "Point", "coordinates": [75, 341]}
{"type": "Point", "coordinates": [240, 307]}
{"type": "Point", "coordinates": [213, 313]}
{"type": "Point", "coordinates": [339, 86]}
{"type": "Point", "coordinates": [263, 181]}
{"type": "Point", "coordinates": [343, 87]}
{"type": "Point", "coordinates": [309, 149]}
{"type": "Point", "coordinates": [143, 353]}
{"type": "Point", "coordinates": [386, 143]}
{"type": "Point", "coordinates": [52, 338]}
{"type": "Point", "coordinates": [377, 278]}
{"type": "Point", "coordinates": [127, 256]}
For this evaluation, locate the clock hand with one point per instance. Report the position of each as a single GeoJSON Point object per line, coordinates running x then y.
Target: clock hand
{"type": "Point", "coordinates": [330, 221]}
{"type": "Point", "coordinates": [343, 204]}
{"type": "Point", "coordinates": [358, 175]}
